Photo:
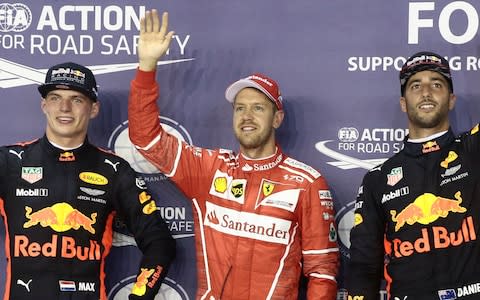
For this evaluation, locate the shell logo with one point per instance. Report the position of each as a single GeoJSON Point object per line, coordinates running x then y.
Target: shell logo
{"type": "Point", "coordinates": [220, 184]}
{"type": "Point", "coordinates": [93, 178]}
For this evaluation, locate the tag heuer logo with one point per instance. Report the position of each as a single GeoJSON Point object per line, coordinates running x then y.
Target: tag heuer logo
{"type": "Point", "coordinates": [396, 174]}
{"type": "Point", "coordinates": [32, 174]}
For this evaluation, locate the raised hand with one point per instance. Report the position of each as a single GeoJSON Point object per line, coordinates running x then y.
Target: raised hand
{"type": "Point", "coordinates": [153, 41]}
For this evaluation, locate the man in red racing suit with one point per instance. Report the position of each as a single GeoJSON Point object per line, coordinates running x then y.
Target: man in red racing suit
{"type": "Point", "coordinates": [258, 221]}
{"type": "Point", "coordinates": [59, 195]}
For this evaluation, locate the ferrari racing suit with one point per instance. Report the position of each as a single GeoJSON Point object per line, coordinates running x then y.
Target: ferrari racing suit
{"type": "Point", "coordinates": [256, 221]}
{"type": "Point", "coordinates": [417, 219]}
{"type": "Point", "coordinates": [58, 208]}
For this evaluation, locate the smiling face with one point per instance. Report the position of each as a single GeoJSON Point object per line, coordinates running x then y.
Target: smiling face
{"type": "Point", "coordinates": [255, 119]}
{"type": "Point", "coordinates": [68, 113]}
{"type": "Point", "coordinates": [427, 101]}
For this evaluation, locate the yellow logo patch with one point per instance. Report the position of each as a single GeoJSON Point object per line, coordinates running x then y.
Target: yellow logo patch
{"type": "Point", "coordinates": [93, 178]}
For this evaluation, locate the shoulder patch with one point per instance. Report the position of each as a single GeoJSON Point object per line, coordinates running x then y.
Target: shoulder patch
{"type": "Point", "coordinates": [474, 130]}
{"type": "Point", "coordinates": [302, 166]}
{"type": "Point", "coordinates": [226, 155]}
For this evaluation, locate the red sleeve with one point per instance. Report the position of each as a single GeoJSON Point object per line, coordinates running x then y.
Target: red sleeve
{"type": "Point", "coordinates": [185, 164]}
{"type": "Point", "coordinates": [319, 241]}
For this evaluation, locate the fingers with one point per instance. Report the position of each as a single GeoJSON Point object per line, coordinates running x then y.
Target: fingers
{"type": "Point", "coordinates": [163, 29]}
{"type": "Point", "coordinates": [142, 23]}
{"type": "Point", "coordinates": [148, 20]}
{"type": "Point", "coordinates": [156, 21]}
{"type": "Point", "coordinates": [151, 22]}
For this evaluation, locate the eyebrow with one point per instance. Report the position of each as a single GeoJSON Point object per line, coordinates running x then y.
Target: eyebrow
{"type": "Point", "coordinates": [432, 78]}
{"type": "Point", "coordinates": [80, 95]}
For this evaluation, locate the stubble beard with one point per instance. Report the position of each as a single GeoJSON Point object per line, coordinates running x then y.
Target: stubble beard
{"type": "Point", "coordinates": [428, 120]}
{"type": "Point", "coordinates": [252, 141]}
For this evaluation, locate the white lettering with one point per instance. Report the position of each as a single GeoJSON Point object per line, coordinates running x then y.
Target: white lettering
{"type": "Point", "coordinates": [87, 17]}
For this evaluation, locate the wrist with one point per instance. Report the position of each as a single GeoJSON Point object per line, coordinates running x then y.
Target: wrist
{"type": "Point", "coordinates": [147, 66]}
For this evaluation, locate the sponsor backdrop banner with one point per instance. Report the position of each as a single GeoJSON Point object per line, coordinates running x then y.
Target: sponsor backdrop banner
{"type": "Point", "coordinates": [336, 62]}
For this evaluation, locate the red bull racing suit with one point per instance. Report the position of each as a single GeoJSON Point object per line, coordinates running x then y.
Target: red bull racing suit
{"type": "Point", "coordinates": [58, 208]}
{"type": "Point", "coordinates": [417, 221]}
{"type": "Point", "coordinates": [257, 222]}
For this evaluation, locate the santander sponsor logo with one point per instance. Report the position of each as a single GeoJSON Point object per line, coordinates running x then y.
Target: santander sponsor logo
{"type": "Point", "coordinates": [267, 166]}
{"type": "Point", "coordinates": [248, 225]}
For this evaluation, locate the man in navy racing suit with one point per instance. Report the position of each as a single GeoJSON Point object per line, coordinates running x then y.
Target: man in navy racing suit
{"type": "Point", "coordinates": [59, 195]}
{"type": "Point", "coordinates": [417, 215]}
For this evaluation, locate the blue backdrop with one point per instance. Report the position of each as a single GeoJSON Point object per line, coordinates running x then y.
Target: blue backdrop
{"type": "Point", "coordinates": [337, 64]}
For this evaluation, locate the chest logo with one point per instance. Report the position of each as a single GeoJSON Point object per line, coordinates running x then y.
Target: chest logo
{"type": "Point", "coordinates": [450, 158]}
{"type": "Point", "coordinates": [268, 188]}
{"type": "Point", "coordinates": [32, 174]}
{"type": "Point", "coordinates": [60, 217]}
{"type": "Point", "coordinates": [396, 174]}
{"type": "Point", "coordinates": [426, 209]}
{"type": "Point", "coordinates": [93, 178]}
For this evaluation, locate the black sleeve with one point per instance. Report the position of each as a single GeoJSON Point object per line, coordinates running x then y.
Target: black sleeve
{"type": "Point", "coordinates": [471, 139]}
{"type": "Point", "coordinates": [364, 272]}
{"type": "Point", "coordinates": [139, 211]}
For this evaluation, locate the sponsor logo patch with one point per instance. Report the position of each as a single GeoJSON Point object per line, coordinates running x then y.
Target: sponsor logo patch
{"type": "Point", "coordinates": [247, 225]}
{"type": "Point", "coordinates": [31, 192]}
{"type": "Point", "coordinates": [67, 286]}
{"type": "Point", "coordinates": [93, 178]}
{"type": "Point", "coordinates": [32, 174]}
{"type": "Point", "coordinates": [396, 174]}
{"type": "Point", "coordinates": [228, 188]}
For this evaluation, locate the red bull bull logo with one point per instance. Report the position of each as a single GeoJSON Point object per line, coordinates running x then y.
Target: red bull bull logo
{"type": "Point", "coordinates": [66, 156]}
{"type": "Point", "coordinates": [60, 217]}
{"type": "Point", "coordinates": [430, 146]}
{"type": "Point", "coordinates": [427, 208]}
{"type": "Point", "coordinates": [140, 286]}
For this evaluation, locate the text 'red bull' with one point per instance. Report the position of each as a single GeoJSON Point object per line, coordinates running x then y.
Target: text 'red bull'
{"type": "Point", "coordinates": [439, 235]}
{"type": "Point", "coordinates": [68, 248]}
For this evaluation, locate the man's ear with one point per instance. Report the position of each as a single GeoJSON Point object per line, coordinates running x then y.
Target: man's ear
{"type": "Point", "coordinates": [95, 109]}
{"type": "Point", "coordinates": [278, 118]}
{"type": "Point", "coordinates": [403, 104]}
{"type": "Point", "coordinates": [452, 101]}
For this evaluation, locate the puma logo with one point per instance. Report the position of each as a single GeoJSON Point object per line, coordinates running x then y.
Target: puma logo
{"type": "Point", "coordinates": [18, 154]}
{"type": "Point", "coordinates": [114, 165]}
{"type": "Point", "coordinates": [26, 285]}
